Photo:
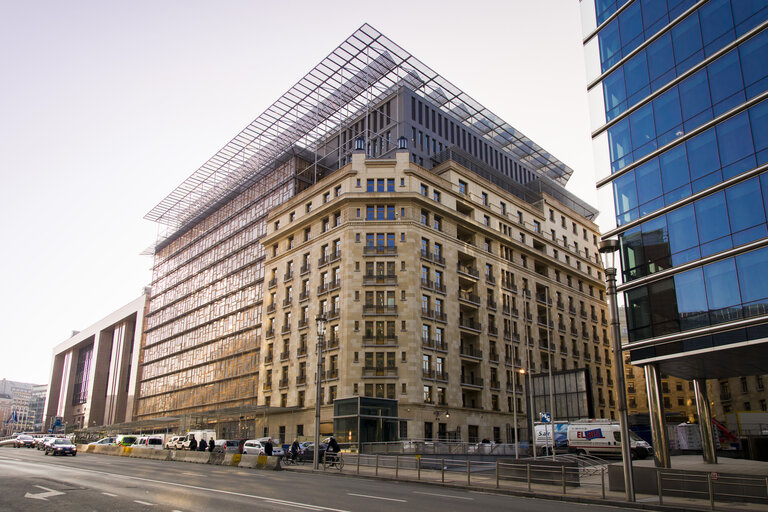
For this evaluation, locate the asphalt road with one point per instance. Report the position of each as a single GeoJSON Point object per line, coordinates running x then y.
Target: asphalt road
{"type": "Point", "coordinates": [31, 481]}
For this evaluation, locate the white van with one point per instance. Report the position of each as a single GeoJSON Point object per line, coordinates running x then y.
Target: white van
{"type": "Point", "coordinates": [603, 437]}
{"type": "Point", "coordinates": [154, 441]}
{"type": "Point", "coordinates": [198, 435]}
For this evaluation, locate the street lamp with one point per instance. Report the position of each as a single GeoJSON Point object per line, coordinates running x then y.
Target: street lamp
{"type": "Point", "coordinates": [318, 392]}
{"type": "Point", "coordinates": [608, 250]}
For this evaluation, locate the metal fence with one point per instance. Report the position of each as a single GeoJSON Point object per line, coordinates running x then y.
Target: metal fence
{"type": "Point", "coordinates": [568, 475]}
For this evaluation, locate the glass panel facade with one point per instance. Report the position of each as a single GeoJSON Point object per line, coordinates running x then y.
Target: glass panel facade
{"type": "Point", "coordinates": [722, 291]}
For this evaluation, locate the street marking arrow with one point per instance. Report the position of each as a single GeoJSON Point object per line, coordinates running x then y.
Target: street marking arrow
{"type": "Point", "coordinates": [43, 495]}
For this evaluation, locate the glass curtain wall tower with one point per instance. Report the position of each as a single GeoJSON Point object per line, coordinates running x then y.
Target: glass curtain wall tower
{"type": "Point", "coordinates": [678, 95]}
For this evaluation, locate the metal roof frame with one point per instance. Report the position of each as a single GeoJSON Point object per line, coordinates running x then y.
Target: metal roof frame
{"type": "Point", "coordinates": [364, 67]}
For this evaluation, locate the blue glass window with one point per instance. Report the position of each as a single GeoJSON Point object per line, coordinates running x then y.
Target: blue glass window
{"type": "Point", "coordinates": [758, 117]}
{"type": "Point", "coordinates": [716, 25]}
{"type": "Point", "coordinates": [702, 154]}
{"type": "Point", "coordinates": [661, 61]}
{"type": "Point", "coordinates": [754, 64]}
{"type": "Point", "coordinates": [625, 196]}
{"type": "Point", "coordinates": [691, 299]}
{"type": "Point", "coordinates": [686, 41]}
{"type": "Point", "coordinates": [745, 210]}
{"type": "Point", "coordinates": [734, 139]}
{"type": "Point", "coordinates": [648, 180]}
{"type": "Point", "coordinates": [682, 229]}
{"type": "Point", "coordinates": [695, 99]}
{"type": "Point", "coordinates": [753, 279]}
{"type": "Point", "coordinates": [666, 112]}
{"type": "Point", "coordinates": [674, 168]}
{"type": "Point", "coordinates": [722, 289]}
{"type": "Point", "coordinates": [712, 217]}
{"type": "Point", "coordinates": [725, 82]}
{"type": "Point", "coordinates": [641, 127]}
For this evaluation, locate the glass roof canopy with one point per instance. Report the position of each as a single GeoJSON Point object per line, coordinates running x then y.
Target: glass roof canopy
{"type": "Point", "coordinates": [366, 66]}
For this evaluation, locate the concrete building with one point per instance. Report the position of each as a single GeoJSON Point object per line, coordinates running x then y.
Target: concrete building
{"type": "Point", "coordinates": [93, 373]}
{"type": "Point", "coordinates": [20, 415]}
{"type": "Point", "coordinates": [220, 331]}
{"type": "Point", "coordinates": [677, 92]}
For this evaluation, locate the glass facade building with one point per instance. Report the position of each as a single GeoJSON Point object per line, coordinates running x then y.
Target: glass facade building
{"type": "Point", "coordinates": [678, 93]}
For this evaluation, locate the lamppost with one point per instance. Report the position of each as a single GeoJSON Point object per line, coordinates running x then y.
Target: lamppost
{"type": "Point", "coordinates": [608, 250]}
{"type": "Point", "coordinates": [318, 392]}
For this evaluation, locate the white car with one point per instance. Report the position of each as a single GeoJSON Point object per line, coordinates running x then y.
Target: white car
{"type": "Point", "coordinates": [103, 441]}
{"type": "Point", "coordinates": [256, 447]}
{"type": "Point", "coordinates": [174, 443]}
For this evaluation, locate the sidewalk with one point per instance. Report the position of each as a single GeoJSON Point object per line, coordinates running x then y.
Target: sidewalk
{"type": "Point", "coordinates": [591, 489]}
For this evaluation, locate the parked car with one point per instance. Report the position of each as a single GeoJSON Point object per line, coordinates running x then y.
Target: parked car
{"type": "Point", "coordinates": [197, 435]}
{"type": "Point", "coordinates": [126, 440]}
{"type": "Point", "coordinates": [155, 442]}
{"type": "Point", "coordinates": [230, 445]}
{"type": "Point", "coordinates": [174, 443]}
{"type": "Point", "coordinates": [61, 446]}
{"type": "Point", "coordinates": [24, 441]}
{"type": "Point", "coordinates": [256, 447]}
{"type": "Point", "coordinates": [104, 441]}
{"type": "Point", "coordinates": [308, 448]}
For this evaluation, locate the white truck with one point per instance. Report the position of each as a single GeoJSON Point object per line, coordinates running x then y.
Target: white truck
{"type": "Point", "coordinates": [603, 437]}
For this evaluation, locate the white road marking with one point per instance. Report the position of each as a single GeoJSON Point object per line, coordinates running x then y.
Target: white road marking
{"type": "Point", "coordinates": [376, 497]}
{"type": "Point", "coordinates": [444, 495]}
{"type": "Point", "coordinates": [274, 501]}
{"type": "Point", "coordinates": [43, 495]}
{"type": "Point", "coordinates": [144, 503]}
{"type": "Point", "coordinates": [109, 494]}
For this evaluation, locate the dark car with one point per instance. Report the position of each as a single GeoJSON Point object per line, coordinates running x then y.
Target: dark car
{"type": "Point", "coordinates": [61, 447]}
{"type": "Point", "coordinates": [24, 441]}
{"type": "Point", "coordinates": [309, 449]}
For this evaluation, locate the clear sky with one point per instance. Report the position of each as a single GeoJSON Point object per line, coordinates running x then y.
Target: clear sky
{"type": "Point", "coordinates": [105, 107]}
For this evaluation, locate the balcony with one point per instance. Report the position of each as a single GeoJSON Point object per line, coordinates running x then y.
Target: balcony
{"type": "Point", "coordinates": [469, 297]}
{"type": "Point", "coordinates": [303, 323]}
{"type": "Point", "coordinates": [426, 283]}
{"type": "Point", "coordinates": [271, 308]}
{"type": "Point", "coordinates": [269, 358]}
{"type": "Point", "coordinates": [380, 279]}
{"type": "Point", "coordinates": [471, 325]}
{"type": "Point", "coordinates": [441, 345]}
{"type": "Point", "coordinates": [272, 282]}
{"type": "Point", "coordinates": [494, 384]}
{"type": "Point", "coordinates": [561, 327]}
{"type": "Point", "coordinates": [541, 298]}
{"type": "Point", "coordinates": [468, 271]}
{"type": "Point", "coordinates": [470, 352]}
{"type": "Point", "coordinates": [560, 306]}
{"type": "Point", "coordinates": [283, 383]}
{"type": "Point", "coordinates": [583, 314]}
{"type": "Point", "coordinates": [333, 313]}
{"type": "Point", "coordinates": [572, 310]}
{"type": "Point", "coordinates": [493, 356]}
{"type": "Point", "coordinates": [286, 329]}
{"type": "Point", "coordinates": [270, 333]}
{"type": "Point", "coordinates": [585, 335]}
{"type": "Point", "coordinates": [491, 304]}
{"type": "Point", "coordinates": [563, 349]}
{"type": "Point", "coordinates": [303, 296]}
{"type": "Point", "coordinates": [469, 380]}
{"type": "Point", "coordinates": [373, 309]}
{"type": "Point", "coordinates": [267, 386]}
{"type": "Point", "coordinates": [301, 351]}
{"type": "Point", "coordinates": [574, 332]}
{"type": "Point", "coordinates": [595, 337]}
{"type": "Point", "coordinates": [426, 255]}
{"type": "Point", "coordinates": [328, 258]}
{"type": "Point", "coordinates": [287, 302]}
{"type": "Point", "coordinates": [493, 330]}
{"type": "Point", "coordinates": [380, 339]}
{"type": "Point", "coordinates": [438, 287]}
{"type": "Point", "coordinates": [284, 355]}
{"type": "Point", "coordinates": [380, 250]}
{"type": "Point", "coordinates": [379, 371]}
{"type": "Point", "coordinates": [301, 379]}
{"type": "Point", "coordinates": [593, 317]}
{"type": "Point", "coordinates": [288, 276]}
{"type": "Point", "coordinates": [305, 269]}
{"type": "Point", "coordinates": [526, 293]}
{"type": "Point", "coordinates": [438, 259]}
{"type": "Point", "coordinates": [490, 279]}
{"type": "Point", "coordinates": [332, 374]}
{"type": "Point", "coordinates": [509, 285]}
{"type": "Point", "coordinates": [604, 321]}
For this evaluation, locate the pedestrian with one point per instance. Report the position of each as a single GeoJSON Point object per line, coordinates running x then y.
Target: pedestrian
{"type": "Point", "coordinates": [203, 445]}
{"type": "Point", "coordinates": [211, 444]}
{"type": "Point", "coordinates": [192, 443]}
{"type": "Point", "coordinates": [295, 449]}
{"type": "Point", "coordinates": [268, 447]}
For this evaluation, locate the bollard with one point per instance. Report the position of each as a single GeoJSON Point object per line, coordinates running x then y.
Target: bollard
{"type": "Point", "coordinates": [442, 469]}
{"type": "Point", "coordinates": [358, 462]}
{"type": "Point", "coordinates": [711, 490]}
{"type": "Point", "coordinates": [497, 474]}
{"type": "Point", "coordinates": [468, 482]}
{"type": "Point", "coordinates": [397, 466]}
{"type": "Point", "coordinates": [528, 475]}
{"type": "Point", "coordinates": [658, 484]}
{"type": "Point", "coordinates": [602, 480]}
{"type": "Point", "coordinates": [418, 468]}
{"type": "Point", "coordinates": [377, 464]}
{"type": "Point", "coordinates": [562, 475]}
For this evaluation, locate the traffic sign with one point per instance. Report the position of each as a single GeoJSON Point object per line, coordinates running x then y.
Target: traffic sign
{"type": "Point", "coordinates": [545, 417]}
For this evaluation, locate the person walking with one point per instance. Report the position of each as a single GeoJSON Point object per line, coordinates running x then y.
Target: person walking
{"type": "Point", "coordinates": [203, 445]}
{"type": "Point", "coordinates": [211, 444]}
{"type": "Point", "coordinates": [193, 444]}
{"type": "Point", "coordinates": [268, 447]}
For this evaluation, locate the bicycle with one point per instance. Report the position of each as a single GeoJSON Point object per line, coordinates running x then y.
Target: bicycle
{"type": "Point", "coordinates": [333, 460]}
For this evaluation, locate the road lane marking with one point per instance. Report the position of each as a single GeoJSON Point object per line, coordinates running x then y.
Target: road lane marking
{"type": "Point", "coordinates": [444, 495]}
{"type": "Point", "coordinates": [144, 503]}
{"type": "Point", "coordinates": [377, 497]}
{"type": "Point", "coordinates": [274, 501]}
{"type": "Point", "coordinates": [109, 494]}
{"type": "Point", "coordinates": [43, 495]}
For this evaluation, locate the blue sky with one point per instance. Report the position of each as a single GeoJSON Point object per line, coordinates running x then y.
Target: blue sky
{"type": "Point", "coordinates": [106, 106]}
